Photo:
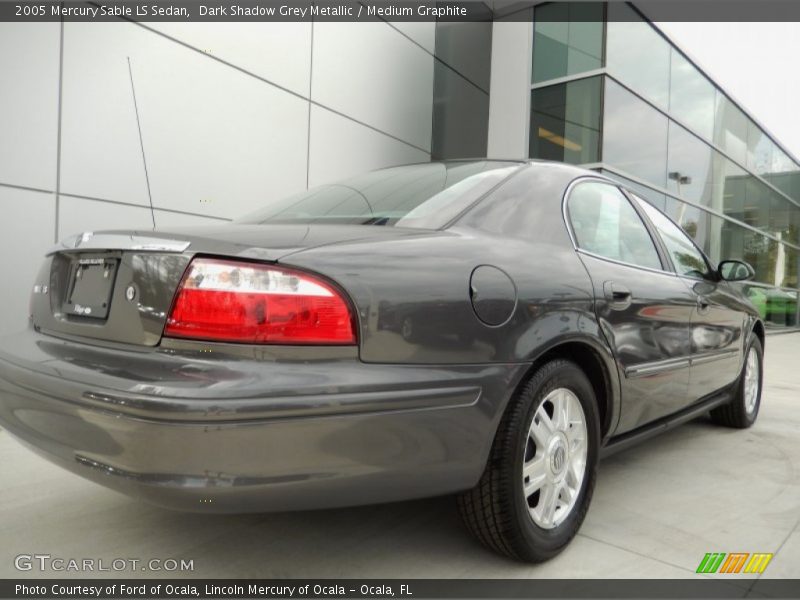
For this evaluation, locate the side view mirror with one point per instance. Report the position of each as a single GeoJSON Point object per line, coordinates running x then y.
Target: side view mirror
{"type": "Point", "coordinates": [735, 270]}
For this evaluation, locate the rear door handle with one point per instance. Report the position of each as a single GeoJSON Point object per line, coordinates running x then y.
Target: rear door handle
{"type": "Point", "coordinates": [618, 296]}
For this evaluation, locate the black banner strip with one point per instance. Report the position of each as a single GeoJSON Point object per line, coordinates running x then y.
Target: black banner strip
{"type": "Point", "coordinates": [412, 589]}
{"type": "Point", "coordinates": [368, 11]}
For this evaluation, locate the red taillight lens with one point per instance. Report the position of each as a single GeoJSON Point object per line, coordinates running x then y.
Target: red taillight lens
{"type": "Point", "coordinates": [230, 301]}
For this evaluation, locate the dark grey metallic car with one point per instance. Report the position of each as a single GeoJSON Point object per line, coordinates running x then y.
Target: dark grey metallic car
{"type": "Point", "coordinates": [477, 327]}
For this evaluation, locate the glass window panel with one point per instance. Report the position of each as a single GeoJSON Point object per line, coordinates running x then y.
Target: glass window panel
{"type": "Point", "coordinates": [775, 263]}
{"type": "Point", "coordinates": [637, 55]}
{"type": "Point", "coordinates": [579, 62]}
{"type": "Point", "coordinates": [692, 97]}
{"type": "Point", "coordinates": [730, 129]}
{"type": "Point", "coordinates": [770, 211]}
{"type": "Point", "coordinates": [784, 174]}
{"type": "Point", "coordinates": [758, 201]}
{"type": "Point", "coordinates": [655, 198]}
{"type": "Point", "coordinates": [792, 273]}
{"type": "Point", "coordinates": [780, 217]}
{"type": "Point", "coordinates": [635, 135]}
{"type": "Point", "coordinates": [758, 250]}
{"type": "Point", "coordinates": [550, 41]}
{"type": "Point", "coordinates": [586, 30]}
{"type": "Point", "coordinates": [794, 226]}
{"type": "Point", "coordinates": [722, 239]}
{"type": "Point", "coordinates": [766, 256]}
{"type": "Point", "coordinates": [759, 150]}
{"type": "Point", "coordinates": [605, 223]}
{"type": "Point", "coordinates": [781, 163]}
{"type": "Point", "coordinates": [689, 166]}
{"type": "Point", "coordinates": [695, 222]}
{"type": "Point", "coordinates": [788, 182]}
{"type": "Point", "coordinates": [730, 188]}
{"type": "Point", "coordinates": [567, 39]}
{"type": "Point", "coordinates": [565, 121]}
{"type": "Point", "coordinates": [688, 260]}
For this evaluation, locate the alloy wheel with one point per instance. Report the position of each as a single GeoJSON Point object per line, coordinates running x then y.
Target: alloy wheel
{"type": "Point", "coordinates": [752, 376]}
{"type": "Point", "coordinates": [554, 464]}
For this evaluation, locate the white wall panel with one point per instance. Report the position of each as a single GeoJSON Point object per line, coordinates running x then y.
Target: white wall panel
{"type": "Point", "coordinates": [370, 72]}
{"type": "Point", "coordinates": [422, 32]}
{"type": "Point", "coordinates": [100, 152]}
{"type": "Point", "coordinates": [166, 220]}
{"type": "Point", "coordinates": [217, 141]}
{"type": "Point", "coordinates": [26, 232]}
{"type": "Point", "coordinates": [77, 215]}
{"type": "Point", "coordinates": [510, 100]}
{"type": "Point", "coordinates": [279, 52]}
{"type": "Point", "coordinates": [341, 148]}
{"type": "Point", "coordinates": [29, 56]}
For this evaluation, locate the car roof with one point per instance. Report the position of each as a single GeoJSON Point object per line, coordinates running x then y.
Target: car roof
{"type": "Point", "coordinates": [567, 169]}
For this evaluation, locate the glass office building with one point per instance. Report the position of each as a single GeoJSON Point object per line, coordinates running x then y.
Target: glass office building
{"type": "Point", "coordinates": [610, 92]}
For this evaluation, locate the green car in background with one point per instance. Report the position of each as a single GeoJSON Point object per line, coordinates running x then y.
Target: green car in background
{"type": "Point", "coordinates": [776, 307]}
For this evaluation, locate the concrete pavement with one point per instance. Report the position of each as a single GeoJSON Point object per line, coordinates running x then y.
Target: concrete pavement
{"type": "Point", "coordinates": [657, 509]}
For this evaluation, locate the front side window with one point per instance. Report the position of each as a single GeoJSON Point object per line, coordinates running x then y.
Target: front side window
{"type": "Point", "coordinates": [688, 260]}
{"type": "Point", "coordinates": [605, 224]}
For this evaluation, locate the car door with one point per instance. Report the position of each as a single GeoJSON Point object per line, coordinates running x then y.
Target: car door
{"type": "Point", "coordinates": [644, 309]}
{"type": "Point", "coordinates": [718, 318]}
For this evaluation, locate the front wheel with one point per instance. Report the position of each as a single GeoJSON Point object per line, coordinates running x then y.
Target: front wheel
{"type": "Point", "coordinates": [538, 482]}
{"type": "Point", "coordinates": [742, 411]}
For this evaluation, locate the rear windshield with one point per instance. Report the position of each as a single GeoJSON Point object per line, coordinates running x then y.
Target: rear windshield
{"type": "Point", "coordinates": [425, 195]}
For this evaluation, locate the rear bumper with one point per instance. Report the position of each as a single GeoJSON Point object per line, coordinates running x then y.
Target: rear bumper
{"type": "Point", "coordinates": [235, 434]}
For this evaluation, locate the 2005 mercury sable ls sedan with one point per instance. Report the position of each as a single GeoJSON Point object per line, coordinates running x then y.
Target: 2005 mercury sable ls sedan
{"type": "Point", "coordinates": [477, 327]}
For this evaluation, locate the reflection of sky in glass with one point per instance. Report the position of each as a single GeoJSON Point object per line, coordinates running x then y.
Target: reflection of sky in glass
{"type": "Point", "coordinates": [689, 166]}
{"type": "Point", "coordinates": [691, 97]}
{"type": "Point", "coordinates": [567, 39]}
{"type": "Point", "coordinates": [625, 143]}
{"type": "Point", "coordinates": [638, 55]}
{"type": "Point", "coordinates": [759, 150]}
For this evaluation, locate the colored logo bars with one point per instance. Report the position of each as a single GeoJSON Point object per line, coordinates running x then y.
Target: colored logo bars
{"type": "Point", "coordinates": [735, 562]}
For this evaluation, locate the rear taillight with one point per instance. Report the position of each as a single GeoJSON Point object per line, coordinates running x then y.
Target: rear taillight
{"type": "Point", "coordinates": [229, 301]}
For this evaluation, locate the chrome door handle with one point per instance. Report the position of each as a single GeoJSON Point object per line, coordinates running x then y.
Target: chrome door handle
{"type": "Point", "coordinates": [618, 296]}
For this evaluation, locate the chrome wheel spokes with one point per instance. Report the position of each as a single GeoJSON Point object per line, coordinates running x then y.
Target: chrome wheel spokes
{"type": "Point", "coordinates": [752, 376]}
{"type": "Point", "coordinates": [554, 463]}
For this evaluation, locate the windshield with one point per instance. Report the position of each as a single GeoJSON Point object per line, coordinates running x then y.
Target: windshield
{"type": "Point", "coordinates": [426, 196]}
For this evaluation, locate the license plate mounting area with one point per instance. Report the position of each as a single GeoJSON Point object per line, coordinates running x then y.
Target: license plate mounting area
{"type": "Point", "coordinates": [91, 282]}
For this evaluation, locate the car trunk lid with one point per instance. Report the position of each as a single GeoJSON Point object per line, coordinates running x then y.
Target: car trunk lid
{"type": "Point", "coordinates": [118, 286]}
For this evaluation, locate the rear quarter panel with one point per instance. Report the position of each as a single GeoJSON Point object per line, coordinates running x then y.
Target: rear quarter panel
{"type": "Point", "coordinates": [519, 229]}
{"type": "Point", "coordinates": [426, 281]}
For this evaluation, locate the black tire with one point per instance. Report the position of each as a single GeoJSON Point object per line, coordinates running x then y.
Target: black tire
{"type": "Point", "coordinates": [496, 510]}
{"type": "Point", "coordinates": [735, 413]}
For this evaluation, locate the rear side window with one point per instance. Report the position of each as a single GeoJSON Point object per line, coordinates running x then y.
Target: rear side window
{"type": "Point", "coordinates": [605, 224]}
{"type": "Point", "coordinates": [688, 260]}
